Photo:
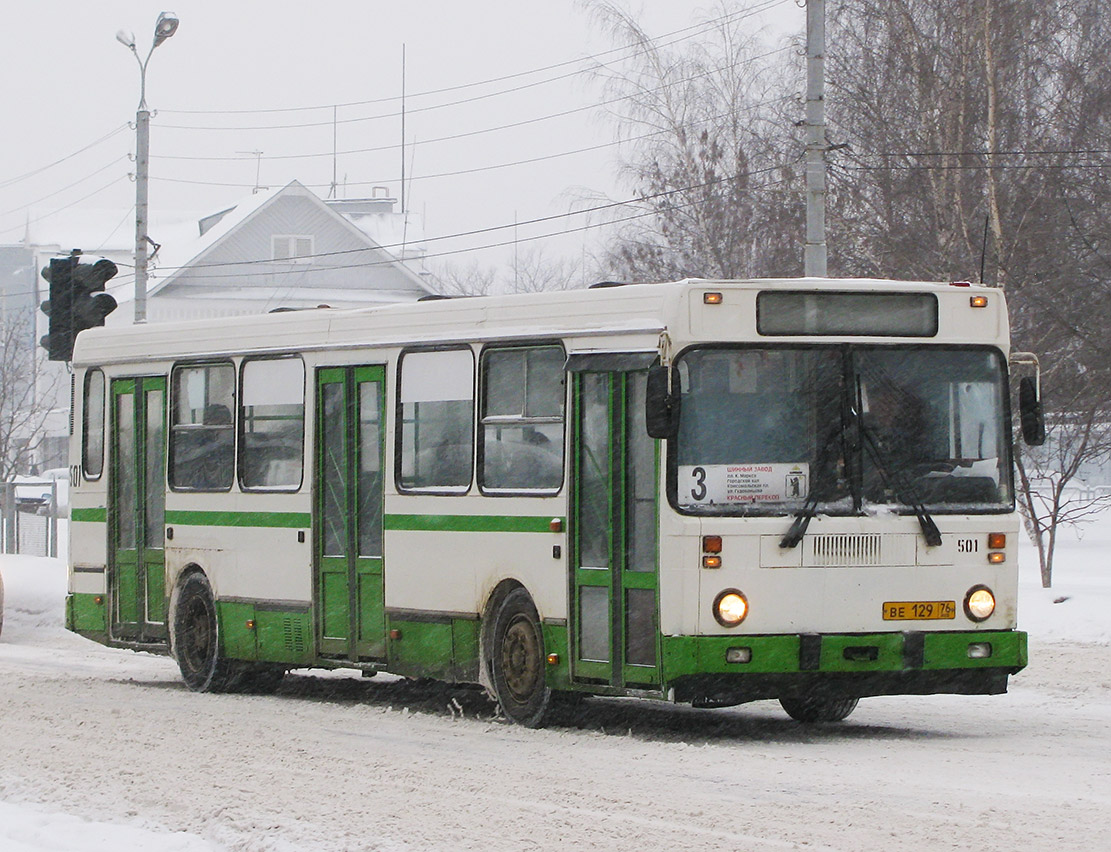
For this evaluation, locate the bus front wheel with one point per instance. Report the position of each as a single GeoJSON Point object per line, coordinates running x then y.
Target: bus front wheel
{"type": "Point", "coordinates": [517, 661]}
{"type": "Point", "coordinates": [196, 638]}
{"type": "Point", "coordinates": [818, 709]}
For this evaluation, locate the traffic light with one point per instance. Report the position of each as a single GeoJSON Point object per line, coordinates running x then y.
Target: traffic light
{"type": "Point", "coordinates": [58, 341]}
{"type": "Point", "coordinates": [90, 303]}
{"type": "Point", "coordinates": [77, 301]}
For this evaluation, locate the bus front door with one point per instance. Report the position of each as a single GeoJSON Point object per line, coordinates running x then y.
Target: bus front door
{"type": "Point", "coordinates": [136, 509]}
{"type": "Point", "coordinates": [614, 534]}
{"type": "Point", "coordinates": [347, 516]}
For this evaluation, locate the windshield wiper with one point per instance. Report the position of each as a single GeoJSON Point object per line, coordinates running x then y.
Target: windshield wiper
{"type": "Point", "coordinates": [902, 488]}
{"type": "Point", "coordinates": [810, 507]}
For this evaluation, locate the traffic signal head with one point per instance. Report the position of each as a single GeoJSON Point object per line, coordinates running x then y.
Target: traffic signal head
{"type": "Point", "coordinates": [58, 341]}
{"type": "Point", "coordinates": [90, 303]}
{"type": "Point", "coordinates": [77, 302]}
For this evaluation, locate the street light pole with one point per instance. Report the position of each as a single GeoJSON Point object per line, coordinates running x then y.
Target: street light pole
{"type": "Point", "coordinates": [165, 27]}
{"type": "Point", "coordinates": [814, 252]}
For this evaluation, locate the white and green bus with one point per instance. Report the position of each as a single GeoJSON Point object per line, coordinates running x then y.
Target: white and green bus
{"type": "Point", "coordinates": [705, 491]}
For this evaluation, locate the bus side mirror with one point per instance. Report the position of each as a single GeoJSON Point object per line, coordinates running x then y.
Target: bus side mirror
{"type": "Point", "coordinates": [1030, 412]}
{"type": "Point", "coordinates": [661, 405]}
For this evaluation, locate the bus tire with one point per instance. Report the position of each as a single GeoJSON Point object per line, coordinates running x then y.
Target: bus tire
{"type": "Point", "coordinates": [811, 709]}
{"type": "Point", "coordinates": [517, 661]}
{"type": "Point", "coordinates": [196, 638]}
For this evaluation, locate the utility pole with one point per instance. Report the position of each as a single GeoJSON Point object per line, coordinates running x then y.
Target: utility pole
{"type": "Point", "coordinates": [164, 27]}
{"type": "Point", "coordinates": [814, 254]}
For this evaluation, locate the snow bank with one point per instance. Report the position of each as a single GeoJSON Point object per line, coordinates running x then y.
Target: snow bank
{"type": "Point", "coordinates": [1078, 606]}
{"type": "Point", "coordinates": [30, 828]}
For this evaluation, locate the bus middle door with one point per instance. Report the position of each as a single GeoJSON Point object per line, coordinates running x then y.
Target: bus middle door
{"type": "Point", "coordinates": [614, 532]}
{"type": "Point", "coordinates": [349, 582]}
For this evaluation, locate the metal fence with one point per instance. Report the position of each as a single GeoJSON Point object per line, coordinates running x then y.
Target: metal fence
{"type": "Point", "coordinates": [29, 517]}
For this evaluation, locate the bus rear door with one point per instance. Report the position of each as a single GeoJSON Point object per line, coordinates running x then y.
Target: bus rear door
{"type": "Point", "coordinates": [137, 509]}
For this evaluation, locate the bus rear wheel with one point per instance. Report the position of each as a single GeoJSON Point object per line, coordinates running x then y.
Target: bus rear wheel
{"type": "Point", "coordinates": [517, 661]}
{"type": "Point", "coordinates": [196, 638]}
{"type": "Point", "coordinates": [818, 709]}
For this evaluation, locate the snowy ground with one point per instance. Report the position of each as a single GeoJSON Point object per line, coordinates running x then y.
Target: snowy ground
{"type": "Point", "coordinates": [105, 750]}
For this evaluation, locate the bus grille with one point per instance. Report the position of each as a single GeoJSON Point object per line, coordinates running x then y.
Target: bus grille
{"type": "Point", "coordinates": [846, 549]}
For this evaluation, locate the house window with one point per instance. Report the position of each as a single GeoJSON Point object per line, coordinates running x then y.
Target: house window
{"type": "Point", "coordinates": [292, 248]}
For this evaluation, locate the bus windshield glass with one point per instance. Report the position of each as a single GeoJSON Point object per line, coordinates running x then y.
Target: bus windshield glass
{"type": "Point", "coordinates": [842, 430]}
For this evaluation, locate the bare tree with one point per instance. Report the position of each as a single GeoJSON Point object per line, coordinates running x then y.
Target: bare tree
{"type": "Point", "coordinates": [26, 393]}
{"type": "Point", "coordinates": [709, 154]}
{"type": "Point", "coordinates": [473, 279]}
{"type": "Point", "coordinates": [971, 133]}
{"type": "Point", "coordinates": [1048, 480]}
{"type": "Point", "coordinates": [534, 271]}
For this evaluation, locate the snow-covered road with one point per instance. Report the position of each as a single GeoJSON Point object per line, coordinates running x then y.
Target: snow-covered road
{"type": "Point", "coordinates": [105, 749]}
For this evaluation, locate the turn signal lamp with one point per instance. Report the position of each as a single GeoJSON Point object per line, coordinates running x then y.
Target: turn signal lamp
{"type": "Point", "coordinates": [978, 301]}
{"type": "Point", "coordinates": [553, 659]}
{"type": "Point", "coordinates": [711, 544]}
{"type": "Point", "coordinates": [997, 541]}
{"type": "Point", "coordinates": [730, 608]}
{"type": "Point", "coordinates": [711, 561]}
{"type": "Point", "coordinates": [711, 298]}
{"type": "Point", "coordinates": [979, 603]}
{"type": "Point", "coordinates": [997, 557]}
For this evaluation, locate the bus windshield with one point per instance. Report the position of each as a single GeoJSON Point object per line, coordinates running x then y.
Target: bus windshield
{"type": "Point", "coordinates": [842, 430]}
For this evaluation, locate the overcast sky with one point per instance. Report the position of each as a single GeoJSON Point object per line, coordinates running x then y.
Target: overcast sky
{"type": "Point", "coordinates": [236, 75]}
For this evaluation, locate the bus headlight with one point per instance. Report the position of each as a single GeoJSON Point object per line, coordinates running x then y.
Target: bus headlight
{"type": "Point", "coordinates": [979, 603]}
{"type": "Point", "coordinates": [730, 608]}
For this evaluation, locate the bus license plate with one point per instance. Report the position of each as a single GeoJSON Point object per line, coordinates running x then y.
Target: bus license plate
{"type": "Point", "coordinates": [918, 610]}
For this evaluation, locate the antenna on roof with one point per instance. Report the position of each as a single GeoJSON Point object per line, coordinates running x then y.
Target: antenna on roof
{"type": "Point", "coordinates": [403, 128]}
{"type": "Point", "coordinates": [258, 168]}
{"type": "Point", "coordinates": [332, 191]}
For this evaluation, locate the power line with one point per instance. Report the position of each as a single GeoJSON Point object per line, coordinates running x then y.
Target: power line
{"type": "Point", "coordinates": [698, 28]}
{"type": "Point", "coordinates": [478, 231]}
{"type": "Point", "coordinates": [108, 185]}
{"type": "Point", "coordinates": [14, 180]}
{"type": "Point", "coordinates": [471, 133]}
{"type": "Point", "coordinates": [64, 188]}
{"type": "Point", "coordinates": [125, 278]}
{"type": "Point", "coordinates": [495, 166]}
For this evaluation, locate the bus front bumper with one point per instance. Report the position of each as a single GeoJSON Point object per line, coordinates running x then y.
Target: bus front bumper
{"type": "Point", "coordinates": [735, 669]}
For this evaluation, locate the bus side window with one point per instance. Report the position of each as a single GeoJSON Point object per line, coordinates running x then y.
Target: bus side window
{"type": "Point", "coordinates": [522, 419]}
{"type": "Point", "coordinates": [202, 437]}
{"type": "Point", "coordinates": [436, 421]}
{"type": "Point", "coordinates": [92, 432]}
{"type": "Point", "coordinates": [271, 424]}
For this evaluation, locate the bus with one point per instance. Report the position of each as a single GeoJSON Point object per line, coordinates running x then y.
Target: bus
{"type": "Point", "coordinates": [707, 492]}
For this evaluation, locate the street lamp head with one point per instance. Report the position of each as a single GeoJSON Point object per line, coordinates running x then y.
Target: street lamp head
{"type": "Point", "coordinates": [165, 27]}
{"type": "Point", "coordinates": [126, 39]}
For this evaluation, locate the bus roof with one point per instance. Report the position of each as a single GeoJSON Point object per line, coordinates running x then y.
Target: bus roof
{"type": "Point", "coordinates": [638, 310]}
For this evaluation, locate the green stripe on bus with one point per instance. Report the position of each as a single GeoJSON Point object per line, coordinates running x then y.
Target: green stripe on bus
{"type": "Point", "coordinates": [469, 523]}
{"type": "Point", "coordinates": [286, 520]}
{"type": "Point", "coordinates": [90, 516]}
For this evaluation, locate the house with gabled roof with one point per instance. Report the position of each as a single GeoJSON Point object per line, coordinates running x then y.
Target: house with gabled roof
{"type": "Point", "coordinates": [280, 248]}
{"type": "Point", "coordinates": [286, 248]}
